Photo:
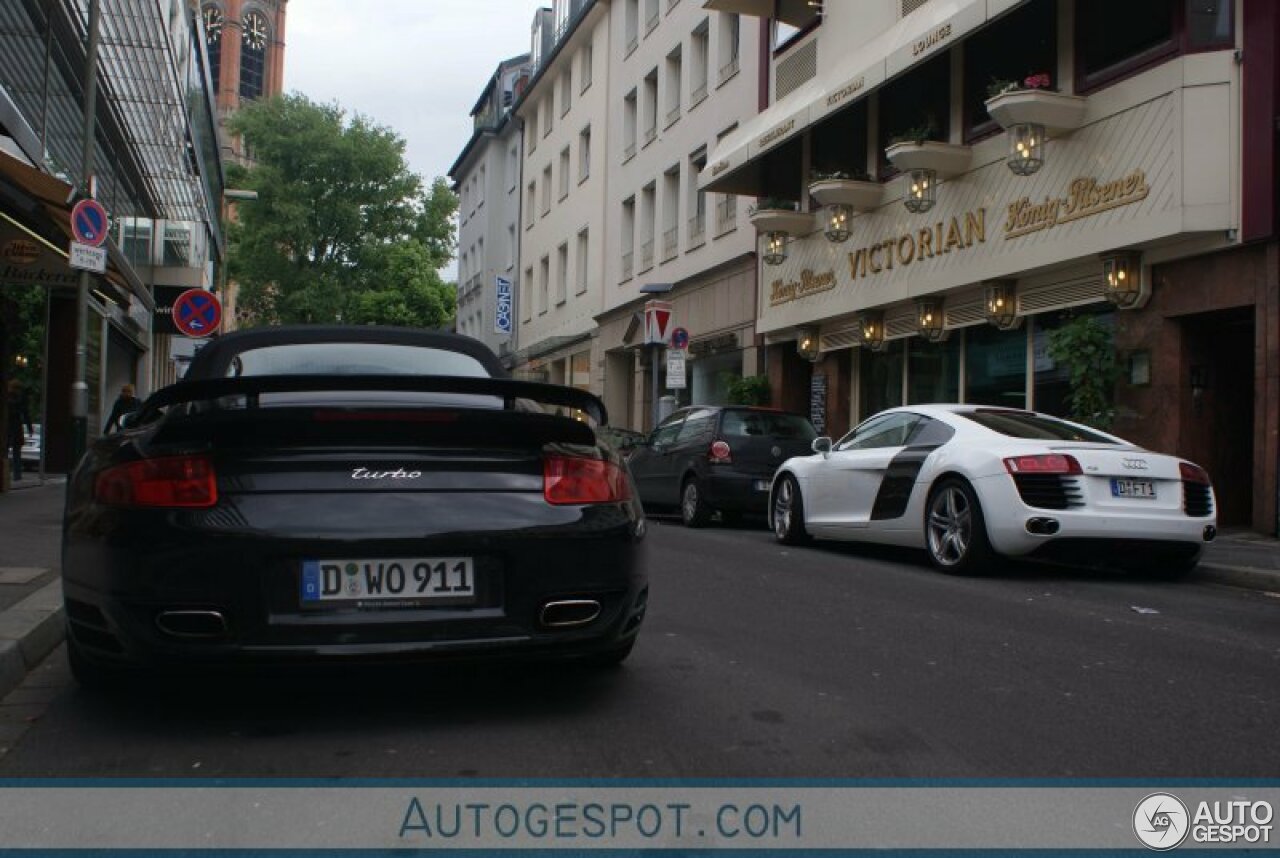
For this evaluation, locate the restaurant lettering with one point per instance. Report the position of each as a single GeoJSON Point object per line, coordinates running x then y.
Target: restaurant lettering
{"type": "Point", "coordinates": [847, 91]}
{"type": "Point", "coordinates": [943, 32]}
{"type": "Point", "coordinates": [1085, 197]}
{"type": "Point", "coordinates": [778, 133]}
{"type": "Point", "coordinates": [808, 284]}
{"type": "Point", "coordinates": [926, 243]}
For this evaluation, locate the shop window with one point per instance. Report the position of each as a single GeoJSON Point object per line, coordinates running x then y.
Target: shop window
{"type": "Point", "coordinates": [1209, 25]}
{"type": "Point", "coordinates": [880, 378]}
{"type": "Point", "coordinates": [916, 106]}
{"type": "Point", "coordinates": [1117, 39]}
{"type": "Point", "coordinates": [839, 145]}
{"type": "Point", "coordinates": [1052, 381]}
{"type": "Point", "coordinates": [1019, 45]}
{"type": "Point", "coordinates": [995, 366]}
{"type": "Point", "coordinates": [933, 371]}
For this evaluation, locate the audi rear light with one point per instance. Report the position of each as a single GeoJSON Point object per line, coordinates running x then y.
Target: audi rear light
{"type": "Point", "coordinates": [171, 481]}
{"type": "Point", "coordinates": [1049, 463]}
{"type": "Point", "coordinates": [574, 480]}
{"type": "Point", "coordinates": [720, 453]}
{"type": "Point", "coordinates": [1193, 473]}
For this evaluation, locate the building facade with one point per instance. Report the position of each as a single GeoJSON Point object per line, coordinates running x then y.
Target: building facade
{"type": "Point", "coordinates": [949, 193]}
{"type": "Point", "coordinates": [681, 78]}
{"type": "Point", "coordinates": [245, 41]}
{"type": "Point", "coordinates": [486, 178]}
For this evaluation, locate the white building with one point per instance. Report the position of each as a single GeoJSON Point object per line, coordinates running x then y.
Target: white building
{"type": "Point", "coordinates": [486, 178]}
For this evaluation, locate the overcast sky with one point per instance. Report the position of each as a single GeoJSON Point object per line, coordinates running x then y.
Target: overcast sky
{"type": "Point", "coordinates": [415, 66]}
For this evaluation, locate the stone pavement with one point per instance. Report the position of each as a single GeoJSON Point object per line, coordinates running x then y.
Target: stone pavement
{"type": "Point", "coordinates": [31, 619]}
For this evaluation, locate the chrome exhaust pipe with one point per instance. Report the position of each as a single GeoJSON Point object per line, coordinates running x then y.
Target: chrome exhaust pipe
{"type": "Point", "coordinates": [1042, 526]}
{"type": "Point", "coordinates": [192, 624]}
{"type": "Point", "coordinates": [569, 612]}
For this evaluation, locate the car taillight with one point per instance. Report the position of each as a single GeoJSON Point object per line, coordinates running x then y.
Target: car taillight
{"type": "Point", "coordinates": [172, 481]}
{"type": "Point", "coordinates": [1050, 463]}
{"type": "Point", "coordinates": [720, 453]}
{"type": "Point", "coordinates": [573, 480]}
{"type": "Point", "coordinates": [1193, 473]}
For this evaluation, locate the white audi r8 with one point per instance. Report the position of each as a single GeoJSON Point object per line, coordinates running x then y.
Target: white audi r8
{"type": "Point", "coordinates": [970, 484]}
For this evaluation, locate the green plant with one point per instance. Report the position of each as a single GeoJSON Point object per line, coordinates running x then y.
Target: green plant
{"type": "Point", "coordinates": [1041, 80]}
{"type": "Point", "coordinates": [850, 175]}
{"type": "Point", "coordinates": [751, 390]}
{"type": "Point", "coordinates": [773, 203]}
{"type": "Point", "coordinates": [1085, 347]}
{"type": "Point", "coordinates": [916, 134]}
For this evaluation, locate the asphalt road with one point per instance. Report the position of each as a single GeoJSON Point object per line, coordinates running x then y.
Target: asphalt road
{"type": "Point", "coordinates": [756, 661]}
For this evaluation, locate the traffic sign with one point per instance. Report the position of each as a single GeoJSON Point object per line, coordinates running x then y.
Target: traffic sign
{"type": "Point", "coordinates": [675, 369]}
{"type": "Point", "coordinates": [657, 322]}
{"type": "Point", "coordinates": [679, 339]}
{"type": "Point", "coordinates": [197, 313]}
{"type": "Point", "coordinates": [87, 258]}
{"type": "Point", "coordinates": [89, 222]}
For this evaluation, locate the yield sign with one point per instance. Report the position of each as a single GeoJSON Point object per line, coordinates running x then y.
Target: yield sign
{"type": "Point", "coordinates": [657, 322]}
{"type": "Point", "coordinates": [89, 222]}
{"type": "Point", "coordinates": [197, 313]}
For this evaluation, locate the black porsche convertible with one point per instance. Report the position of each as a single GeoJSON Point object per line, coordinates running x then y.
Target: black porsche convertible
{"type": "Point", "coordinates": [351, 493]}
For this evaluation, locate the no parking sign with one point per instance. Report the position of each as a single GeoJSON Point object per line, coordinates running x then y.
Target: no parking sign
{"type": "Point", "coordinates": [197, 313]}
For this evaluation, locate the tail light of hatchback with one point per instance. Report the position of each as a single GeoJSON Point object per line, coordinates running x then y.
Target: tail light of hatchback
{"type": "Point", "coordinates": [1050, 463]}
{"type": "Point", "coordinates": [574, 480]}
{"type": "Point", "coordinates": [720, 453]}
{"type": "Point", "coordinates": [1193, 473]}
{"type": "Point", "coordinates": [170, 481]}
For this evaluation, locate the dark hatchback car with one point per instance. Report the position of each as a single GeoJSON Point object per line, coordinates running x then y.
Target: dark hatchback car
{"type": "Point", "coordinates": [339, 493]}
{"type": "Point", "coordinates": [709, 459]}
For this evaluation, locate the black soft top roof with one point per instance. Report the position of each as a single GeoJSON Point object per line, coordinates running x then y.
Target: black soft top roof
{"type": "Point", "coordinates": [214, 359]}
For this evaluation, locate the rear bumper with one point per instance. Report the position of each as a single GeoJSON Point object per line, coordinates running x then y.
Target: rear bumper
{"type": "Point", "coordinates": [737, 491]}
{"type": "Point", "coordinates": [118, 586]}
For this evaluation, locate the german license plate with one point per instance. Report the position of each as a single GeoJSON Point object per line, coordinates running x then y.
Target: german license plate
{"type": "Point", "coordinates": [1140, 489]}
{"type": "Point", "coordinates": [388, 582]}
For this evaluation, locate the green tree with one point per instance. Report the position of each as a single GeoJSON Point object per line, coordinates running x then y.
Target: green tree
{"type": "Point", "coordinates": [1086, 347]}
{"type": "Point", "coordinates": [342, 230]}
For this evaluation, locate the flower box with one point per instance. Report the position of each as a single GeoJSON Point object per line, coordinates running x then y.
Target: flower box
{"type": "Point", "coordinates": [791, 222]}
{"type": "Point", "coordinates": [947, 159]}
{"type": "Point", "coordinates": [859, 195]}
{"type": "Point", "coordinates": [1054, 110]}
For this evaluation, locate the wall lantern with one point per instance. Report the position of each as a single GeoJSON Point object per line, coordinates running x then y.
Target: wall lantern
{"type": "Point", "coordinates": [929, 319]}
{"type": "Point", "coordinates": [1026, 148]}
{"type": "Point", "coordinates": [871, 324]}
{"type": "Point", "coordinates": [1002, 304]}
{"type": "Point", "coordinates": [838, 222]}
{"type": "Point", "coordinates": [775, 248]}
{"type": "Point", "coordinates": [807, 343]}
{"type": "Point", "coordinates": [922, 190]}
{"type": "Point", "coordinates": [1122, 278]}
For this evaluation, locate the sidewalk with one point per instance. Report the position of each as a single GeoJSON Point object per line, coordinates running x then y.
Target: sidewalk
{"type": "Point", "coordinates": [31, 623]}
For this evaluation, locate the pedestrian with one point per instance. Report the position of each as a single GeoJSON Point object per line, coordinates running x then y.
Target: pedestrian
{"type": "Point", "coordinates": [19, 417]}
{"type": "Point", "coordinates": [126, 404]}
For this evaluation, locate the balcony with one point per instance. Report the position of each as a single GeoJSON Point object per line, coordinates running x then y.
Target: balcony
{"type": "Point", "coordinates": [626, 266]}
{"type": "Point", "coordinates": [646, 256]}
{"type": "Point", "coordinates": [726, 215]}
{"type": "Point", "coordinates": [697, 230]}
{"type": "Point", "coordinates": [670, 244]}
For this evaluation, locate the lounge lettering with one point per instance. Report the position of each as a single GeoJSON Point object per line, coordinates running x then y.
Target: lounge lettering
{"type": "Point", "coordinates": [938, 35]}
{"type": "Point", "coordinates": [1086, 196]}
{"type": "Point", "coordinates": [809, 283]}
{"type": "Point", "coordinates": [902, 250]}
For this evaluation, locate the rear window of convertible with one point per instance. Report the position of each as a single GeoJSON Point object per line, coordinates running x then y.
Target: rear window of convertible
{"type": "Point", "coordinates": [353, 359]}
{"type": "Point", "coordinates": [1037, 427]}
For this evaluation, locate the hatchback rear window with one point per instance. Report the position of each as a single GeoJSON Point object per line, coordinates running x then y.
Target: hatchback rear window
{"type": "Point", "coordinates": [1037, 427]}
{"type": "Point", "coordinates": [354, 359]}
{"type": "Point", "coordinates": [753, 424]}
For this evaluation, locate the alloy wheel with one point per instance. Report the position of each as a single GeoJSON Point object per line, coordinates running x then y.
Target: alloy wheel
{"type": "Point", "coordinates": [689, 501]}
{"type": "Point", "coordinates": [782, 504]}
{"type": "Point", "coordinates": [950, 526]}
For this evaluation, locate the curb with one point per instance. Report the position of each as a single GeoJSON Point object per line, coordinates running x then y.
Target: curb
{"type": "Point", "coordinates": [1248, 577]}
{"type": "Point", "coordinates": [29, 631]}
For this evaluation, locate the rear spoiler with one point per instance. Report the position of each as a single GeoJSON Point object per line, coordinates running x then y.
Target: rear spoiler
{"type": "Point", "coordinates": [507, 389]}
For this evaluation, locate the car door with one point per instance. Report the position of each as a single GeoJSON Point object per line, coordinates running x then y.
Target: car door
{"type": "Point", "coordinates": [848, 481]}
{"type": "Point", "coordinates": [651, 462]}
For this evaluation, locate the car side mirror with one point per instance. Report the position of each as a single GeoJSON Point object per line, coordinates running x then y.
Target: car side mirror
{"type": "Point", "coordinates": [822, 445]}
{"type": "Point", "coordinates": [130, 420]}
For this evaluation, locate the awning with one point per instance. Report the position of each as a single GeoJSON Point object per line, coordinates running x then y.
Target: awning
{"type": "Point", "coordinates": [754, 8]}
{"type": "Point", "coordinates": [934, 27]}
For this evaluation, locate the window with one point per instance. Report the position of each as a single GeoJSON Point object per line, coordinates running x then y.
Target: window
{"type": "Point", "coordinates": [648, 215]}
{"type": "Point", "coordinates": [1051, 382]}
{"type": "Point", "coordinates": [651, 14]}
{"type": "Point", "coordinates": [730, 28]}
{"type": "Point", "coordinates": [531, 200]}
{"type": "Point", "coordinates": [675, 62]}
{"type": "Point", "coordinates": [919, 102]}
{"type": "Point", "coordinates": [697, 200]}
{"type": "Point", "coordinates": [584, 154]}
{"type": "Point", "coordinates": [628, 237]}
{"type": "Point", "coordinates": [253, 55]}
{"type": "Point", "coordinates": [839, 143]}
{"type": "Point", "coordinates": [887, 430]}
{"type": "Point", "coordinates": [791, 21]}
{"type": "Point", "coordinates": [699, 57]}
{"type": "Point", "coordinates": [562, 273]}
{"type": "Point", "coordinates": [564, 172]}
{"type": "Point", "coordinates": [566, 92]}
{"type": "Point", "coordinates": [513, 168]}
{"type": "Point", "coordinates": [880, 378]}
{"type": "Point", "coordinates": [532, 136]}
{"type": "Point", "coordinates": [544, 285]}
{"type": "Point", "coordinates": [580, 263]}
{"type": "Point", "coordinates": [1032, 427]}
{"type": "Point", "coordinates": [668, 429]}
{"type": "Point", "coordinates": [549, 108]}
{"type": "Point", "coordinates": [629, 120]}
{"type": "Point", "coordinates": [479, 189]}
{"type": "Point", "coordinates": [584, 73]}
{"type": "Point", "coordinates": [1115, 39]}
{"type": "Point", "coordinates": [933, 370]}
{"type": "Point", "coordinates": [526, 294]}
{"type": "Point", "coordinates": [650, 107]}
{"type": "Point", "coordinates": [511, 247]}
{"type": "Point", "coordinates": [213, 22]}
{"type": "Point", "coordinates": [995, 366]}
{"type": "Point", "coordinates": [1209, 25]}
{"type": "Point", "coordinates": [546, 190]}
{"type": "Point", "coordinates": [775, 426]}
{"type": "Point", "coordinates": [353, 359]}
{"type": "Point", "coordinates": [1021, 44]}
{"type": "Point", "coordinates": [671, 213]}
{"type": "Point", "coordinates": [631, 25]}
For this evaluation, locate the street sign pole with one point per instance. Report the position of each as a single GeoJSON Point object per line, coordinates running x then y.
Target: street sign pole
{"type": "Point", "coordinates": [80, 386]}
